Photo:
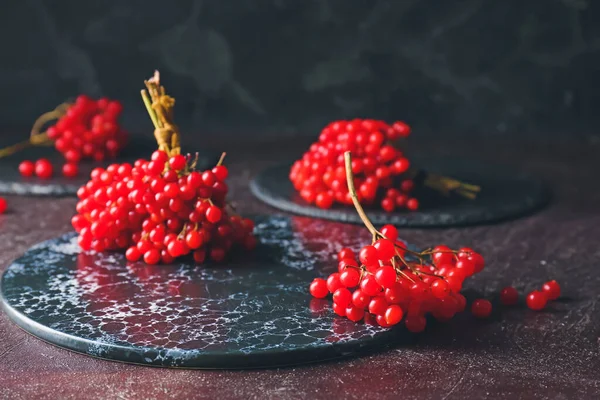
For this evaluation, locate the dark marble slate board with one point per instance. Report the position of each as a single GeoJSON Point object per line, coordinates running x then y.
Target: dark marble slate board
{"type": "Point", "coordinates": [11, 182]}
{"type": "Point", "coordinates": [505, 194]}
{"type": "Point", "coordinates": [254, 311]}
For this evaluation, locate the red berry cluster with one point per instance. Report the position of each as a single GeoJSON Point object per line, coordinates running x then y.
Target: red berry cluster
{"type": "Point", "coordinates": [160, 210]}
{"type": "Point", "coordinates": [389, 281]}
{"type": "Point", "coordinates": [379, 168]}
{"type": "Point", "coordinates": [384, 284]}
{"type": "Point", "coordinates": [88, 129]}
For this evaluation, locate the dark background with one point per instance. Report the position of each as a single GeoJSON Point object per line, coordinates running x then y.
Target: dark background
{"type": "Point", "coordinates": [276, 68]}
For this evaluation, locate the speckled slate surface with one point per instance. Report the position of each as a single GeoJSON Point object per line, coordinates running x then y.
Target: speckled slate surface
{"type": "Point", "coordinates": [11, 182]}
{"type": "Point", "coordinates": [252, 312]}
{"type": "Point", "coordinates": [505, 194]}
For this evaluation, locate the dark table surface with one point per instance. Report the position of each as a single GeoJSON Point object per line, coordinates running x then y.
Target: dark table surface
{"type": "Point", "coordinates": [515, 354]}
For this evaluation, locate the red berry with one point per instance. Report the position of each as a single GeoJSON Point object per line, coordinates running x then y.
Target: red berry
{"type": "Point", "coordinates": [354, 314]}
{"type": "Point", "coordinates": [393, 314]}
{"type": "Point", "coordinates": [385, 249]}
{"type": "Point", "coordinates": [133, 254]}
{"type": "Point", "coordinates": [213, 214]}
{"type": "Point", "coordinates": [551, 289]}
{"type": "Point", "coordinates": [369, 256]}
{"type": "Point", "coordinates": [537, 300]}
{"type": "Point", "coordinates": [342, 297]}
{"type": "Point", "coordinates": [3, 205]}
{"type": "Point", "coordinates": [345, 253]}
{"type": "Point", "coordinates": [386, 276]}
{"type": "Point", "coordinates": [26, 168]}
{"type": "Point", "coordinates": [177, 162]}
{"type": "Point", "coordinates": [350, 277]}
{"type": "Point", "coordinates": [70, 170]}
{"type": "Point", "coordinates": [369, 286]}
{"type": "Point", "coordinates": [152, 256]}
{"type": "Point", "coordinates": [334, 282]}
{"type": "Point", "coordinates": [360, 300]}
{"type": "Point", "coordinates": [43, 168]}
{"type": "Point", "coordinates": [439, 288]}
{"type": "Point", "coordinates": [390, 232]}
{"type": "Point", "coordinates": [378, 305]}
{"type": "Point", "coordinates": [509, 296]}
{"type": "Point", "coordinates": [481, 308]}
{"type": "Point", "coordinates": [318, 288]}
{"type": "Point", "coordinates": [415, 323]}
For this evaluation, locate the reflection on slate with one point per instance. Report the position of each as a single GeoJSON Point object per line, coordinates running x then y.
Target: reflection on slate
{"type": "Point", "coordinates": [251, 312]}
{"type": "Point", "coordinates": [11, 182]}
{"type": "Point", "coordinates": [504, 194]}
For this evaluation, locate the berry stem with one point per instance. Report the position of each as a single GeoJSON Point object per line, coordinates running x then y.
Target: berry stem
{"type": "Point", "coordinates": [151, 112]}
{"type": "Point", "coordinates": [352, 190]}
{"type": "Point", "coordinates": [221, 159]}
{"type": "Point", "coordinates": [37, 138]}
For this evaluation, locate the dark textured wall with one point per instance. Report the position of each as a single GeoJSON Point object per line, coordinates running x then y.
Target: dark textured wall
{"type": "Point", "coordinates": [282, 67]}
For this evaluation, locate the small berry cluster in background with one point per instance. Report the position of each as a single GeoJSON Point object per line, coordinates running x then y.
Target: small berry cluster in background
{"type": "Point", "coordinates": [381, 172]}
{"type": "Point", "coordinates": [378, 166]}
{"type": "Point", "coordinates": [88, 129]}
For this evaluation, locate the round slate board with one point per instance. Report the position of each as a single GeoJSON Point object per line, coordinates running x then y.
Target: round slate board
{"type": "Point", "coordinates": [11, 182]}
{"type": "Point", "coordinates": [504, 194]}
{"type": "Point", "coordinates": [254, 311]}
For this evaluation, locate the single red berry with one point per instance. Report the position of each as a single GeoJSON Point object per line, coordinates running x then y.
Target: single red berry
{"type": "Point", "coordinates": [345, 253]}
{"type": "Point", "coordinates": [360, 300]}
{"type": "Point", "coordinates": [537, 300]}
{"type": "Point", "coordinates": [369, 256]}
{"type": "Point", "coordinates": [342, 297]}
{"type": "Point", "coordinates": [369, 286]}
{"type": "Point", "coordinates": [481, 308]}
{"type": "Point", "coordinates": [509, 296]}
{"type": "Point", "coordinates": [177, 162]}
{"type": "Point", "coordinates": [3, 205]}
{"type": "Point", "coordinates": [390, 232]}
{"type": "Point", "coordinates": [354, 314]}
{"type": "Point", "coordinates": [415, 323]}
{"type": "Point", "coordinates": [386, 276]}
{"type": "Point", "coordinates": [412, 204]}
{"type": "Point", "coordinates": [70, 170]}
{"type": "Point", "coordinates": [551, 289]}
{"type": "Point", "coordinates": [334, 282]}
{"type": "Point", "coordinates": [213, 214]}
{"type": "Point", "coordinates": [324, 200]}
{"type": "Point", "coordinates": [393, 314]}
{"type": "Point", "coordinates": [152, 256]}
{"type": "Point", "coordinates": [378, 305]}
{"type": "Point", "coordinates": [133, 254]}
{"type": "Point", "coordinates": [26, 168]}
{"type": "Point", "coordinates": [220, 172]}
{"type": "Point", "coordinates": [385, 249]}
{"type": "Point", "coordinates": [440, 288]}
{"type": "Point", "coordinates": [350, 277]}
{"type": "Point", "coordinates": [318, 288]}
{"type": "Point", "coordinates": [43, 168]}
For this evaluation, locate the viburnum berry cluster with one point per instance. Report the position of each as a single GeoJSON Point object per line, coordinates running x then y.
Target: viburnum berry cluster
{"type": "Point", "coordinates": [160, 209]}
{"type": "Point", "coordinates": [89, 129]}
{"type": "Point", "coordinates": [85, 129]}
{"type": "Point", "coordinates": [387, 282]}
{"type": "Point", "coordinates": [381, 170]}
